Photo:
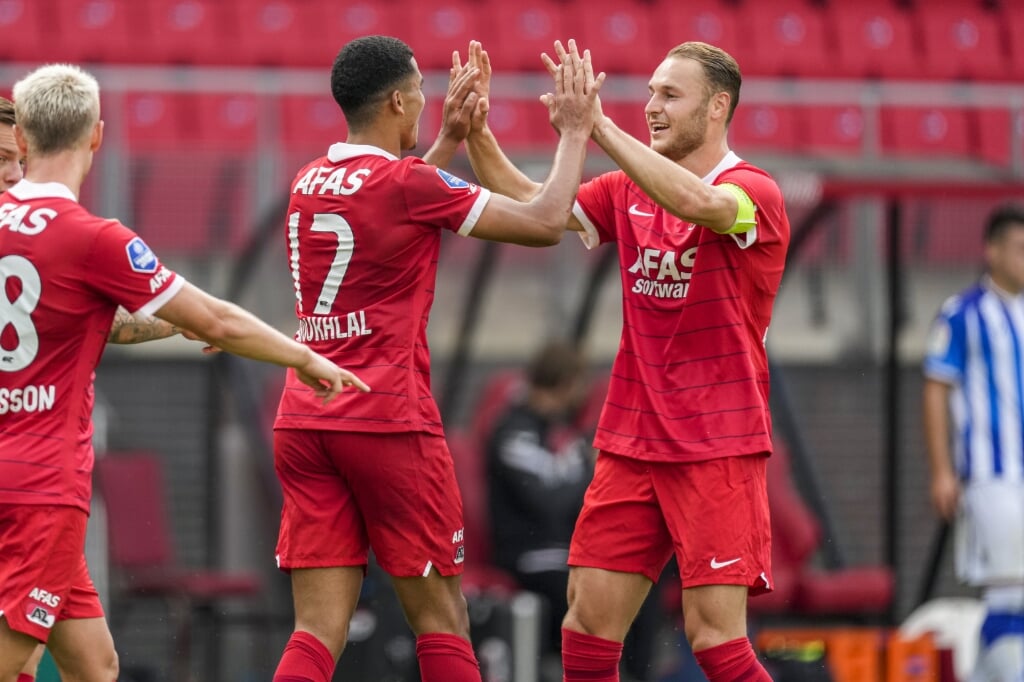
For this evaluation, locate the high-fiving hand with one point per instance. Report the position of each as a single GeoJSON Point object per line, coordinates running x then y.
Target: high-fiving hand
{"type": "Point", "coordinates": [574, 104]}
{"type": "Point", "coordinates": [476, 58]}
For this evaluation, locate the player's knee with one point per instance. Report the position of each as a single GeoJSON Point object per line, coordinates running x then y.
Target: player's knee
{"type": "Point", "coordinates": [451, 617]}
{"type": "Point", "coordinates": [103, 666]}
{"type": "Point", "coordinates": [112, 666]}
{"type": "Point", "coordinates": [329, 626]}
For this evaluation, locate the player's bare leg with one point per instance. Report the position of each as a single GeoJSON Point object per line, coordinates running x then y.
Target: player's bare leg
{"type": "Point", "coordinates": [83, 650]}
{"type": "Point", "coordinates": [715, 618]}
{"type": "Point", "coordinates": [602, 606]}
{"type": "Point", "coordinates": [434, 604]}
{"type": "Point", "coordinates": [31, 667]}
{"type": "Point", "coordinates": [604, 603]}
{"type": "Point", "coordinates": [15, 650]}
{"type": "Point", "coordinates": [436, 610]}
{"type": "Point", "coordinates": [325, 599]}
{"type": "Point", "coordinates": [714, 614]}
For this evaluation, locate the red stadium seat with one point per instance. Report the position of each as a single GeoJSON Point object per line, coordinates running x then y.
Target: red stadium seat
{"type": "Point", "coordinates": [944, 241]}
{"type": "Point", "coordinates": [310, 124]}
{"type": "Point", "coordinates": [715, 22]}
{"type": "Point", "coordinates": [875, 39]}
{"type": "Point", "coordinates": [154, 120]}
{"type": "Point", "coordinates": [764, 126]}
{"type": "Point", "coordinates": [225, 121]}
{"type": "Point", "coordinates": [281, 33]}
{"type": "Point", "coordinates": [961, 41]}
{"type": "Point", "coordinates": [1012, 20]}
{"type": "Point", "coordinates": [193, 31]}
{"type": "Point", "coordinates": [520, 124]}
{"type": "Point", "coordinates": [436, 29]}
{"type": "Point", "coordinates": [618, 34]}
{"type": "Point", "coordinates": [829, 130]}
{"type": "Point", "coordinates": [142, 552]}
{"type": "Point", "coordinates": [190, 169]}
{"type": "Point", "coordinates": [788, 38]}
{"type": "Point", "coordinates": [520, 32]}
{"type": "Point", "coordinates": [23, 28]}
{"type": "Point", "coordinates": [925, 131]}
{"type": "Point", "coordinates": [802, 589]}
{"type": "Point", "coordinates": [346, 21]}
{"type": "Point", "coordinates": [995, 135]}
{"type": "Point", "coordinates": [218, 121]}
{"type": "Point", "coordinates": [101, 31]}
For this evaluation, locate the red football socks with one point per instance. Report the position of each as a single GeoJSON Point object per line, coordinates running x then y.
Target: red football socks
{"type": "Point", "coordinates": [305, 659]}
{"type": "Point", "coordinates": [589, 658]}
{"type": "Point", "coordinates": [446, 658]}
{"type": "Point", "coordinates": [25, 678]}
{"type": "Point", "coordinates": [732, 661]}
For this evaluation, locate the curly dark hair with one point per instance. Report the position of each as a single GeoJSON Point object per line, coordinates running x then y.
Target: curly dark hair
{"type": "Point", "coordinates": [364, 70]}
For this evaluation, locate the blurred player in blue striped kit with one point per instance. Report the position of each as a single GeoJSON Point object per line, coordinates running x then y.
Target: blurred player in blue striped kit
{"type": "Point", "coordinates": [974, 432]}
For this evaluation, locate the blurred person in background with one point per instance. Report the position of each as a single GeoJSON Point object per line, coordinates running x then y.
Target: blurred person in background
{"type": "Point", "coordinates": [685, 432]}
{"type": "Point", "coordinates": [973, 417]}
{"type": "Point", "coordinates": [363, 233]}
{"type": "Point", "coordinates": [64, 274]}
{"type": "Point", "coordinates": [538, 467]}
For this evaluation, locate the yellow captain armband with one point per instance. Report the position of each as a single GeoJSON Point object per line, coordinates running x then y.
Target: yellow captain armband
{"type": "Point", "coordinates": [745, 212]}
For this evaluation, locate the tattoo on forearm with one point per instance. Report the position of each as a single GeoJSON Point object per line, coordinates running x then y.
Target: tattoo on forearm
{"type": "Point", "coordinates": [127, 329]}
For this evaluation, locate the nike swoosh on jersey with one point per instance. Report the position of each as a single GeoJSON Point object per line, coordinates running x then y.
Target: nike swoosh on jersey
{"type": "Point", "coordinates": [715, 564]}
{"type": "Point", "coordinates": [635, 210]}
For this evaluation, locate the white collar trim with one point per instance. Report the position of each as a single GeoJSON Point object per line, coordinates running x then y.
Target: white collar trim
{"type": "Point", "coordinates": [727, 162]}
{"type": "Point", "coordinates": [26, 189]}
{"type": "Point", "coordinates": [340, 151]}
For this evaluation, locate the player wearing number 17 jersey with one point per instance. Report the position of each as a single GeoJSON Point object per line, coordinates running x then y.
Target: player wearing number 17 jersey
{"type": "Point", "coordinates": [63, 273]}
{"type": "Point", "coordinates": [363, 230]}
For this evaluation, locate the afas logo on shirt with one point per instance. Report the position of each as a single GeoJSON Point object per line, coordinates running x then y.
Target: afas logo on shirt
{"type": "Point", "coordinates": [140, 257]}
{"type": "Point", "coordinates": [455, 182]}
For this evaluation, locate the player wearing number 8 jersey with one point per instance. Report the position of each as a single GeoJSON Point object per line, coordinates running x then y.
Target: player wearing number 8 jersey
{"type": "Point", "coordinates": [63, 273]}
{"type": "Point", "coordinates": [363, 231]}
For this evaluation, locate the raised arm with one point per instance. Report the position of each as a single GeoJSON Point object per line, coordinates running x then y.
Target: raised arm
{"type": "Point", "coordinates": [542, 219]}
{"type": "Point", "coordinates": [671, 186]}
{"type": "Point", "coordinates": [676, 189]}
{"type": "Point", "coordinates": [459, 104]}
{"type": "Point", "coordinates": [229, 327]}
{"type": "Point", "coordinates": [492, 168]}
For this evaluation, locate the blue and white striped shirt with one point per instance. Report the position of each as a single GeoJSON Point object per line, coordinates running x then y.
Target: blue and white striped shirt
{"type": "Point", "coordinates": [977, 346]}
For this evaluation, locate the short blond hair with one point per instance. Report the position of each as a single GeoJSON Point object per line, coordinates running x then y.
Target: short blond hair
{"type": "Point", "coordinates": [721, 72]}
{"type": "Point", "coordinates": [56, 106]}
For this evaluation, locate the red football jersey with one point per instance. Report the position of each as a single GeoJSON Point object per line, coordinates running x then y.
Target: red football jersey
{"type": "Point", "coordinates": [363, 233]}
{"type": "Point", "coordinates": [63, 272]}
{"type": "Point", "coordinates": [690, 379]}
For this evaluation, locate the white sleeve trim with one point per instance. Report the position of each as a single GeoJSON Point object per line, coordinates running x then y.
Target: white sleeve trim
{"type": "Point", "coordinates": [474, 213]}
{"type": "Point", "coordinates": [745, 239]}
{"type": "Point", "coordinates": [166, 295]}
{"type": "Point", "coordinates": [589, 235]}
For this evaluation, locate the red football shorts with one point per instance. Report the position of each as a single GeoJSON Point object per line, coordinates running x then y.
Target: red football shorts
{"type": "Point", "coordinates": [713, 514]}
{"type": "Point", "coordinates": [345, 492]}
{"type": "Point", "coordinates": [43, 574]}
